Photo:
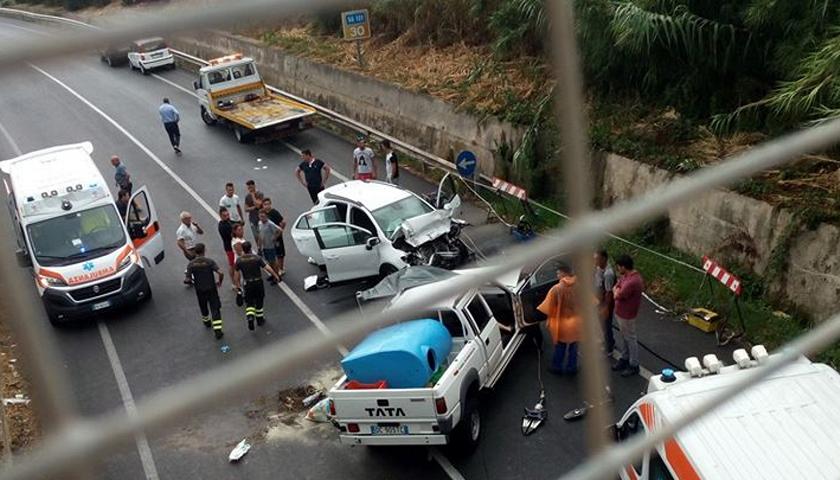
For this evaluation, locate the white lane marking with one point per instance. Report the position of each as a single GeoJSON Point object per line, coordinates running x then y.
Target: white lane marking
{"type": "Point", "coordinates": [170, 82]}
{"type": "Point", "coordinates": [31, 30]}
{"type": "Point", "coordinates": [210, 210]}
{"type": "Point", "coordinates": [445, 464]}
{"type": "Point", "coordinates": [146, 458]}
{"type": "Point", "coordinates": [311, 315]}
{"type": "Point", "coordinates": [11, 140]}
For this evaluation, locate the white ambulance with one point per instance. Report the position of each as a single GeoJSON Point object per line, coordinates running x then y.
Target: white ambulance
{"type": "Point", "coordinates": [787, 426]}
{"type": "Point", "coordinates": [84, 257]}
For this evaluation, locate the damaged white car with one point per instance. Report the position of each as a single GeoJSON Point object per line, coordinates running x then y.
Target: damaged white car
{"type": "Point", "coordinates": [363, 229]}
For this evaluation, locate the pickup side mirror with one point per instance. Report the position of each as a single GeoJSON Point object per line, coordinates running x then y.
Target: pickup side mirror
{"type": "Point", "coordinates": [372, 242]}
{"type": "Point", "coordinates": [196, 86]}
{"type": "Point", "coordinates": [23, 258]}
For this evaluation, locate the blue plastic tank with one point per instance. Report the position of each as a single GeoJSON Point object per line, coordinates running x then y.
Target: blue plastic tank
{"type": "Point", "coordinates": [405, 355]}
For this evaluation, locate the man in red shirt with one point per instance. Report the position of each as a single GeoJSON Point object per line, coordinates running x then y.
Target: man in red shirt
{"type": "Point", "coordinates": [628, 297]}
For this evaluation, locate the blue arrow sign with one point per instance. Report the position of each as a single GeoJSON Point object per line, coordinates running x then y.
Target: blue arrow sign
{"type": "Point", "coordinates": [466, 163]}
{"type": "Point", "coordinates": [357, 17]}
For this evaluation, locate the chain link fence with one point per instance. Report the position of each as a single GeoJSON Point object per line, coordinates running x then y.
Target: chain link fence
{"type": "Point", "coordinates": [74, 441]}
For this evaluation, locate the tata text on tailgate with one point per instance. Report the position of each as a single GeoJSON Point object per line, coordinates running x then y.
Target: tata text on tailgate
{"type": "Point", "coordinates": [231, 92]}
{"type": "Point", "coordinates": [84, 257]}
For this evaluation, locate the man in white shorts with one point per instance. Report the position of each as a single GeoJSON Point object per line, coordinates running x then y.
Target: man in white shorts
{"type": "Point", "coordinates": [364, 166]}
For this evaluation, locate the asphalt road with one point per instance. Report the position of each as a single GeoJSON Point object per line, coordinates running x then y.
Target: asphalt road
{"type": "Point", "coordinates": [162, 343]}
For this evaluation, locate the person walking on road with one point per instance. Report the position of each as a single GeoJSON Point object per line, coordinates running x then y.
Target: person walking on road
{"type": "Point", "coordinates": [267, 239]}
{"type": "Point", "coordinates": [226, 232]}
{"type": "Point", "coordinates": [364, 165]}
{"type": "Point", "coordinates": [230, 200]}
{"type": "Point", "coordinates": [628, 298]}
{"type": "Point", "coordinates": [185, 237]}
{"type": "Point", "coordinates": [121, 176]}
{"type": "Point", "coordinates": [564, 321]}
{"type": "Point", "coordinates": [202, 271]}
{"type": "Point", "coordinates": [252, 206]}
{"type": "Point", "coordinates": [279, 246]}
{"type": "Point", "coordinates": [604, 282]}
{"type": "Point", "coordinates": [312, 173]}
{"type": "Point", "coordinates": [392, 167]}
{"type": "Point", "coordinates": [170, 117]}
{"type": "Point", "coordinates": [248, 279]}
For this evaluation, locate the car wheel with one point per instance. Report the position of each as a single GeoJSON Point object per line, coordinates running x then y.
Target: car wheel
{"type": "Point", "coordinates": [386, 270]}
{"type": "Point", "coordinates": [206, 118]}
{"type": "Point", "coordinates": [467, 434]}
{"type": "Point", "coordinates": [241, 134]}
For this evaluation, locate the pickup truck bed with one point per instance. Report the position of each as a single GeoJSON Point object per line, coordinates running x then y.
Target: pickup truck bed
{"type": "Point", "coordinates": [264, 111]}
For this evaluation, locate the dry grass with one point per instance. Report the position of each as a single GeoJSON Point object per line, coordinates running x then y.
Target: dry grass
{"type": "Point", "coordinates": [460, 74]}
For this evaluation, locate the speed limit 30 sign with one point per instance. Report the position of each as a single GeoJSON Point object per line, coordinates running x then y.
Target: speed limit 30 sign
{"type": "Point", "coordinates": [356, 24]}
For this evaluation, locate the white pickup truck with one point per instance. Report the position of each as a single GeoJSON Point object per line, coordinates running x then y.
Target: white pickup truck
{"type": "Point", "coordinates": [487, 325]}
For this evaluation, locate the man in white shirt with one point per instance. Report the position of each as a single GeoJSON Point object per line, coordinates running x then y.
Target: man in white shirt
{"type": "Point", "coordinates": [230, 200]}
{"type": "Point", "coordinates": [186, 236]}
{"type": "Point", "coordinates": [364, 166]}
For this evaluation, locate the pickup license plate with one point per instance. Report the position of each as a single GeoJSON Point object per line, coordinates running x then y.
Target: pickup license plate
{"type": "Point", "coordinates": [389, 429]}
{"type": "Point", "coordinates": [101, 305]}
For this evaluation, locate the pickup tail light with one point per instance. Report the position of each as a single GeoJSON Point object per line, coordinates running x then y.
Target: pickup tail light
{"type": "Point", "coordinates": [440, 405]}
{"type": "Point", "coordinates": [353, 427]}
{"type": "Point", "coordinates": [332, 408]}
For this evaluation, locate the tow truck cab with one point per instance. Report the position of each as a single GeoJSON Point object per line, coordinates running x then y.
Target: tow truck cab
{"type": "Point", "coordinates": [84, 257]}
{"type": "Point", "coordinates": [787, 426]}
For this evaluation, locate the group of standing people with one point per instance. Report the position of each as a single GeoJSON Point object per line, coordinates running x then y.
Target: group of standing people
{"type": "Point", "coordinates": [618, 297]}
{"type": "Point", "coordinates": [247, 260]}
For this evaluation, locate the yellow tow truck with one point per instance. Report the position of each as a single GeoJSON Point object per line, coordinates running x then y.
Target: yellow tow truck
{"type": "Point", "coordinates": [231, 92]}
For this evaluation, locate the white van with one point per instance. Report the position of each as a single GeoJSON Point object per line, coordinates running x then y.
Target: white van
{"type": "Point", "coordinates": [787, 426]}
{"type": "Point", "coordinates": [84, 257]}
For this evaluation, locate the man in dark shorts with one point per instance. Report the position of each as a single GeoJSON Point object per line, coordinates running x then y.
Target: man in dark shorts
{"type": "Point", "coordinates": [279, 247]}
{"type": "Point", "coordinates": [226, 232]}
{"type": "Point", "coordinates": [202, 269]}
{"type": "Point", "coordinates": [309, 174]}
{"type": "Point", "coordinates": [248, 278]}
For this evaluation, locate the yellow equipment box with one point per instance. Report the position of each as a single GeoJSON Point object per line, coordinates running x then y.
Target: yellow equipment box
{"type": "Point", "coordinates": [703, 319]}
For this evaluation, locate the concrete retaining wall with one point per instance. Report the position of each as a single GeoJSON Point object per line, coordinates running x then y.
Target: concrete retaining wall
{"type": "Point", "coordinates": [421, 120]}
{"type": "Point", "coordinates": [742, 230]}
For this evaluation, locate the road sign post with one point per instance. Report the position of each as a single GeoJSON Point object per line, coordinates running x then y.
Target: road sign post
{"type": "Point", "coordinates": [356, 27]}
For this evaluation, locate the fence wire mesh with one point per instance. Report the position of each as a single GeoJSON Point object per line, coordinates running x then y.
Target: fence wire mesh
{"type": "Point", "coordinates": [76, 441]}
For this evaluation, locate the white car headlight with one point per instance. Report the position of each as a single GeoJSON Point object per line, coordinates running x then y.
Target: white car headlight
{"type": "Point", "coordinates": [46, 282]}
{"type": "Point", "coordinates": [130, 259]}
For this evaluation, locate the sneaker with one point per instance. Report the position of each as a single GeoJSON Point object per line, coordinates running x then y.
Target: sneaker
{"type": "Point", "coordinates": [188, 282]}
{"type": "Point", "coordinates": [630, 371]}
{"type": "Point", "coordinates": [206, 323]}
{"type": "Point", "coordinates": [177, 149]}
{"type": "Point", "coordinates": [260, 321]}
{"type": "Point", "coordinates": [250, 323]}
{"type": "Point", "coordinates": [219, 334]}
{"type": "Point", "coordinates": [620, 365]}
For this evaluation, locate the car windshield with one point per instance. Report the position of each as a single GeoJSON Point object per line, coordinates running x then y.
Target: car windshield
{"type": "Point", "coordinates": [152, 45]}
{"type": "Point", "coordinates": [390, 217]}
{"type": "Point", "coordinates": [77, 236]}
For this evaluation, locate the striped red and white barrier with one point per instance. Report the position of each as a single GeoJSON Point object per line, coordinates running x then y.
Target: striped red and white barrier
{"type": "Point", "coordinates": [729, 280]}
{"type": "Point", "coordinates": [509, 188]}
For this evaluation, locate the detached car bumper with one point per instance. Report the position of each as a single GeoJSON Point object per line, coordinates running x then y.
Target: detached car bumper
{"type": "Point", "coordinates": [157, 62]}
{"type": "Point", "coordinates": [393, 439]}
{"type": "Point", "coordinates": [67, 305]}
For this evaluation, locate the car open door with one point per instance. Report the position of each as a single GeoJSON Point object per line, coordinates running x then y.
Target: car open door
{"type": "Point", "coordinates": [488, 334]}
{"type": "Point", "coordinates": [304, 235]}
{"type": "Point", "coordinates": [141, 221]}
{"type": "Point", "coordinates": [533, 288]}
{"type": "Point", "coordinates": [349, 251]}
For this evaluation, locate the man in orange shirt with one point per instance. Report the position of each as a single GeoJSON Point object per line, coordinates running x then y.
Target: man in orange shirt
{"type": "Point", "coordinates": [564, 321]}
